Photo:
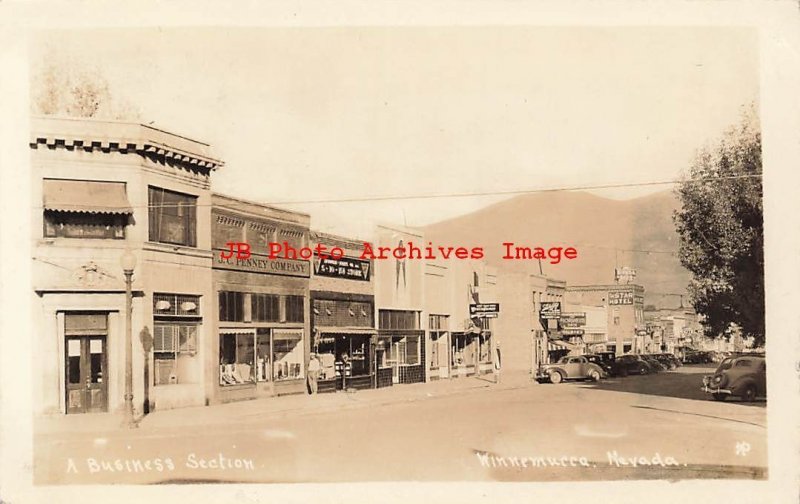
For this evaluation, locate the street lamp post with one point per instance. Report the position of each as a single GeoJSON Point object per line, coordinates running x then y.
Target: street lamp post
{"type": "Point", "coordinates": [128, 263]}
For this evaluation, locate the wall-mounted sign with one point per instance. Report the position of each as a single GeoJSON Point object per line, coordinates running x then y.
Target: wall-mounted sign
{"type": "Point", "coordinates": [345, 267]}
{"type": "Point", "coordinates": [263, 264]}
{"type": "Point", "coordinates": [620, 298]}
{"type": "Point", "coordinates": [573, 319]}
{"type": "Point", "coordinates": [571, 331]}
{"type": "Point", "coordinates": [550, 310]}
{"type": "Point", "coordinates": [484, 310]}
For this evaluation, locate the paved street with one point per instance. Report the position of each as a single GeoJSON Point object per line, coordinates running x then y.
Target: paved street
{"type": "Point", "coordinates": [658, 426]}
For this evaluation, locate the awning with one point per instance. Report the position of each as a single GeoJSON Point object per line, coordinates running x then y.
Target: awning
{"type": "Point", "coordinates": [555, 345]}
{"type": "Point", "coordinates": [87, 196]}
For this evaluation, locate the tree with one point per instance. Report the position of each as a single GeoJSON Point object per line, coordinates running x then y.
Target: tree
{"type": "Point", "coordinates": [63, 87]}
{"type": "Point", "coordinates": [721, 231]}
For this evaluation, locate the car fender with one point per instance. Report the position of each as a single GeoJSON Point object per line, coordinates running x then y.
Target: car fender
{"type": "Point", "coordinates": [599, 369]}
{"type": "Point", "coordinates": [559, 370]}
{"type": "Point", "coordinates": [739, 385]}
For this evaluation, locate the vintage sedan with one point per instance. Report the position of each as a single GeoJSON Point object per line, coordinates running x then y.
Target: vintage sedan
{"type": "Point", "coordinates": [575, 367]}
{"type": "Point", "coordinates": [634, 364]}
{"type": "Point", "coordinates": [744, 377]}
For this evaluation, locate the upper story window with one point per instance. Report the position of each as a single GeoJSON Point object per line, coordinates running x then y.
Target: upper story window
{"type": "Point", "coordinates": [84, 209]}
{"type": "Point", "coordinates": [84, 225]}
{"type": "Point", "coordinates": [173, 217]}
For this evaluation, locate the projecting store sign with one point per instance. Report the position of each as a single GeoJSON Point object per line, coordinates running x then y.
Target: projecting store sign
{"type": "Point", "coordinates": [620, 298]}
{"type": "Point", "coordinates": [346, 267]}
{"type": "Point", "coordinates": [573, 319]}
{"type": "Point", "coordinates": [550, 310]}
{"type": "Point", "coordinates": [484, 310]}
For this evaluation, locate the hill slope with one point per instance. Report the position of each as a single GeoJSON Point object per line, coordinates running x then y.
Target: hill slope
{"type": "Point", "coordinates": [605, 232]}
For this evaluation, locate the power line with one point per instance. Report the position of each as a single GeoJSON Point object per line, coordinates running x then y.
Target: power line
{"type": "Point", "coordinates": [366, 199]}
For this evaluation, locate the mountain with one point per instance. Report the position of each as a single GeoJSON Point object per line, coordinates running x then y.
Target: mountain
{"type": "Point", "coordinates": [638, 233]}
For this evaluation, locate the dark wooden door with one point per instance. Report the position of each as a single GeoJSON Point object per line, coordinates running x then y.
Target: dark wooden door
{"type": "Point", "coordinates": [86, 374]}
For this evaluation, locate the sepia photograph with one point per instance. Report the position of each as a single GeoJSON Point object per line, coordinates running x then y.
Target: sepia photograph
{"type": "Point", "coordinates": [409, 253]}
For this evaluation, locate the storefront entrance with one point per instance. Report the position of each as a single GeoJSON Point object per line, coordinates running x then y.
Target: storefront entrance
{"type": "Point", "coordinates": [86, 374]}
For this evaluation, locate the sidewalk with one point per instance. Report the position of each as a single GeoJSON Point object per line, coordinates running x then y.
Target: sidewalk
{"type": "Point", "coordinates": [243, 412]}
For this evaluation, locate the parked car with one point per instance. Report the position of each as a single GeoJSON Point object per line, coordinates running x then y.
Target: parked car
{"type": "Point", "coordinates": [744, 377]}
{"type": "Point", "coordinates": [655, 365]}
{"type": "Point", "coordinates": [570, 368]}
{"type": "Point", "coordinates": [634, 364]}
{"type": "Point", "coordinates": [665, 361]}
{"type": "Point", "coordinates": [673, 359]}
{"type": "Point", "coordinates": [608, 363]}
{"type": "Point", "coordinates": [693, 357]}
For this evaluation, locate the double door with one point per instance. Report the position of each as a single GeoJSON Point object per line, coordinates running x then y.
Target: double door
{"type": "Point", "coordinates": [86, 374]}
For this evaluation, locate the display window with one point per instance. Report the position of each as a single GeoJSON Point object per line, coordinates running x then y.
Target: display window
{"type": "Point", "coordinates": [175, 353]}
{"type": "Point", "coordinates": [344, 355]}
{"type": "Point", "coordinates": [287, 351]}
{"type": "Point", "coordinates": [237, 357]}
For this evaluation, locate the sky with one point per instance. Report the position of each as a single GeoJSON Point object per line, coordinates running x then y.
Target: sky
{"type": "Point", "coordinates": [304, 114]}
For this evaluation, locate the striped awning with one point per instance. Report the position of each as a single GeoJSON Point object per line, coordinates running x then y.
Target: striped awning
{"type": "Point", "coordinates": [87, 196]}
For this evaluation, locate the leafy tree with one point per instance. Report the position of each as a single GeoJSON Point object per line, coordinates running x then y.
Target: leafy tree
{"type": "Point", "coordinates": [721, 231]}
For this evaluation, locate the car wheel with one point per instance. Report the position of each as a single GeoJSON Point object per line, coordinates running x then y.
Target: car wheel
{"type": "Point", "coordinates": [719, 397]}
{"type": "Point", "coordinates": [555, 377]}
{"type": "Point", "coordinates": [594, 375]}
{"type": "Point", "coordinates": [749, 393]}
{"type": "Point", "coordinates": [643, 370]}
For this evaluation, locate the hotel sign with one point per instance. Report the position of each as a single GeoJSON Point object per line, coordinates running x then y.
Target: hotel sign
{"type": "Point", "coordinates": [620, 298]}
{"type": "Point", "coordinates": [263, 264]}
{"type": "Point", "coordinates": [345, 267]}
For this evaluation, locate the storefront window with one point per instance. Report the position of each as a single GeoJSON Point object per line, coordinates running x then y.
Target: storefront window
{"type": "Point", "coordinates": [287, 348]}
{"type": "Point", "coordinates": [175, 353]}
{"type": "Point", "coordinates": [348, 354]}
{"type": "Point", "coordinates": [237, 357]}
{"type": "Point", "coordinates": [463, 350]}
{"type": "Point", "coordinates": [485, 347]}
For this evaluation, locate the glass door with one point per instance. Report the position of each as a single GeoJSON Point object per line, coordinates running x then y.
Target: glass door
{"type": "Point", "coordinates": [86, 372]}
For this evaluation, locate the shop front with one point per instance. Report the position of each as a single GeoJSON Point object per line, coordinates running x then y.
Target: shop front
{"type": "Point", "coordinates": [439, 354]}
{"type": "Point", "coordinates": [344, 340]}
{"type": "Point", "coordinates": [261, 328]}
{"type": "Point", "coordinates": [471, 350]}
{"type": "Point", "coordinates": [401, 346]}
{"type": "Point", "coordinates": [343, 314]}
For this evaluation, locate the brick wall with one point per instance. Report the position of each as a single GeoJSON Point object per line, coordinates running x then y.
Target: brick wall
{"type": "Point", "coordinates": [384, 377]}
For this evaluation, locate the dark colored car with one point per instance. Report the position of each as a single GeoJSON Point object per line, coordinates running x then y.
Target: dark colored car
{"type": "Point", "coordinates": [665, 361]}
{"type": "Point", "coordinates": [673, 359]}
{"type": "Point", "coordinates": [608, 363]}
{"type": "Point", "coordinates": [655, 365]}
{"type": "Point", "coordinates": [634, 364]}
{"type": "Point", "coordinates": [744, 377]}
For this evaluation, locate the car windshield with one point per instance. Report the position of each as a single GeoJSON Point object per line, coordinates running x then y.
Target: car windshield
{"type": "Point", "coordinates": [725, 364]}
{"type": "Point", "coordinates": [563, 360]}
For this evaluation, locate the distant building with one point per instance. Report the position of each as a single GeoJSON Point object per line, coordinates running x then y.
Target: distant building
{"type": "Point", "coordinates": [624, 306]}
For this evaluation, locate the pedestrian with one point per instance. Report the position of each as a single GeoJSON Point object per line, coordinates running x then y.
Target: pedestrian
{"type": "Point", "coordinates": [497, 362]}
{"type": "Point", "coordinates": [313, 373]}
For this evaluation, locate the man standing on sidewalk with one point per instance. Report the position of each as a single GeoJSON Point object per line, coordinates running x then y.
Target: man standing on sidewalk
{"type": "Point", "coordinates": [497, 362]}
{"type": "Point", "coordinates": [313, 374]}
